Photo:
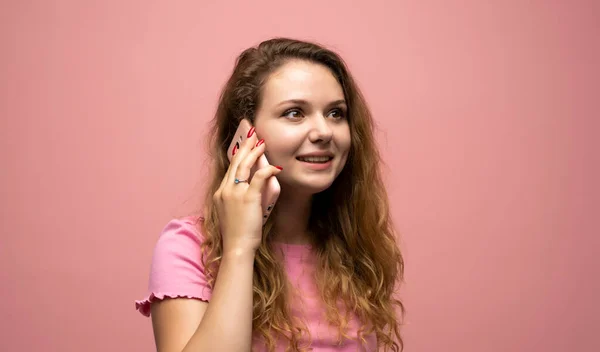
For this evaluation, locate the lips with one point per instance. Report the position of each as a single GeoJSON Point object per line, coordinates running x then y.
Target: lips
{"type": "Point", "coordinates": [315, 159]}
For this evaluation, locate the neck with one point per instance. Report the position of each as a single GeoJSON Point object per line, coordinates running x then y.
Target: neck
{"type": "Point", "coordinates": [292, 216]}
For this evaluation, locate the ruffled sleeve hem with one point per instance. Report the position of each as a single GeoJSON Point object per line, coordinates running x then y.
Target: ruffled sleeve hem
{"type": "Point", "coordinates": [143, 306]}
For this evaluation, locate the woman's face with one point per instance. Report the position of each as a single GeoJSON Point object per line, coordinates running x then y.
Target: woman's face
{"type": "Point", "coordinates": [302, 118]}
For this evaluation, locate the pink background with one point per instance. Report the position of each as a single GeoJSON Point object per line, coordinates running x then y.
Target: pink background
{"type": "Point", "coordinates": [487, 115]}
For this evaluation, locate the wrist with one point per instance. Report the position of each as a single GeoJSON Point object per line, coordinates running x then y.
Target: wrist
{"type": "Point", "coordinates": [238, 252]}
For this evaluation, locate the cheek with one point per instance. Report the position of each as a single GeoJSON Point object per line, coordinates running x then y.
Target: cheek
{"type": "Point", "coordinates": [278, 147]}
{"type": "Point", "coordinates": [344, 140]}
{"type": "Point", "coordinates": [283, 141]}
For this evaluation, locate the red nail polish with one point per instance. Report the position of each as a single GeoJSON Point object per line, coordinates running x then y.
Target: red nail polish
{"type": "Point", "coordinates": [234, 150]}
{"type": "Point", "coordinates": [260, 142]}
{"type": "Point", "coordinates": [251, 132]}
{"type": "Point", "coordinates": [279, 167]}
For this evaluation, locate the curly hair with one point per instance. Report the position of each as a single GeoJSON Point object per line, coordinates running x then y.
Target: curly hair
{"type": "Point", "coordinates": [359, 260]}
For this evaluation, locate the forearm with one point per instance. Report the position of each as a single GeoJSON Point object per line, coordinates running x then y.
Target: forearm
{"type": "Point", "coordinates": [227, 322]}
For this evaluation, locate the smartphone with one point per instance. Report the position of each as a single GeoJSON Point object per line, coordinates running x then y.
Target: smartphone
{"type": "Point", "coordinates": [272, 188]}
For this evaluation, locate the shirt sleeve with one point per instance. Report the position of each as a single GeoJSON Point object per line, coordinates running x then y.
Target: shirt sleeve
{"type": "Point", "coordinates": [176, 269]}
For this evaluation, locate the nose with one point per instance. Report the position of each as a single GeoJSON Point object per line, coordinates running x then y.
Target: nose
{"type": "Point", "coordinates": [320, 131]}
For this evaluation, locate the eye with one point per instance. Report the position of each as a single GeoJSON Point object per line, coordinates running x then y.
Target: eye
{"type": "Point", "coordinates": [292, 113]}
{"type": "Point", "coordinates": [337, 114]}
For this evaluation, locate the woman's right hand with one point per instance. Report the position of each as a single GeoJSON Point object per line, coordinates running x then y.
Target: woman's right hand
{"type": "Point", "coordinates": [239, 204]}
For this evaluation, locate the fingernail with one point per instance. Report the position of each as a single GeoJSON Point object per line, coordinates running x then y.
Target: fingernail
{"type": "Point", "coordinates": [260, 142]}
{"type": "Point", "coordinates": [234, 150]}
{"type": "Point", "coordinates": [251, 132]}
{"type": "Point", "coordinates": [279, 167]}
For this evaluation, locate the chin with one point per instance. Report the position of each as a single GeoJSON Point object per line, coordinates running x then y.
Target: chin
{"type": "Point", "coordinates": [307, 186]}
{"type": "Point", "coordinates": [314, 189]}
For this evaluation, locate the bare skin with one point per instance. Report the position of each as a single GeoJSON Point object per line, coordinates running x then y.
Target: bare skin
{"type": "Point", "coordinates": [290, 130]}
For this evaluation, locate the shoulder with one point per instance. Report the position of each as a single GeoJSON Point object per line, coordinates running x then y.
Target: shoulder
{"type": "Point", "coordinates": [176, 269]}
{"type": "Point", "coordinates": [178, 249]}
{"type": "Point", "coordinates": [179, 235]}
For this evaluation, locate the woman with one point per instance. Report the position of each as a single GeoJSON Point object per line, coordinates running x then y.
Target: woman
{"type": "Point", "coordinates": [321, 273]}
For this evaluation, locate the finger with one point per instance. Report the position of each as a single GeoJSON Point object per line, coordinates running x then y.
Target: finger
{"type": "Point", "coordinates": [248, 142]}
{"type": "Point", "coordinates": [239, 155]}
{"type": "Point", "coordinates": [248, 161]}
{"type": "Point", "coordinates": [229, 170]}
{"type": "Point", "coordinates": [259, 180]}
{"type": "Point", "coordinates": [224, 179]}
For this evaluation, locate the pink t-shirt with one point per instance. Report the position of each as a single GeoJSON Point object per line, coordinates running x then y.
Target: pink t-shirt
{"type": "Point", "coordinates": [176, 271]}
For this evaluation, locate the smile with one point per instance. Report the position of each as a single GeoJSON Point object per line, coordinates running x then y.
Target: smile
{"type": "Point", "coordinates": [315, 159]}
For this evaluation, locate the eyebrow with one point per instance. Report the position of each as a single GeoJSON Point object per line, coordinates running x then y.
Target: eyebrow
{"type": "Point", "coordinates": [304, 102]}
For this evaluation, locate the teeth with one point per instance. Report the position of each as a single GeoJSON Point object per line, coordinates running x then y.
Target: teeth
{"type": "Point", "coordinates": [315, 159]}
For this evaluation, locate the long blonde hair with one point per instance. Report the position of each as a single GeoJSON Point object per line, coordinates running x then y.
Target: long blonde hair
{"type": "Point", "coordinates": [359, 261]}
